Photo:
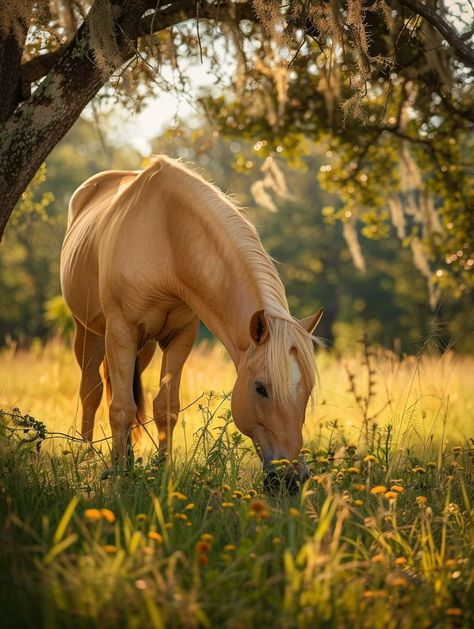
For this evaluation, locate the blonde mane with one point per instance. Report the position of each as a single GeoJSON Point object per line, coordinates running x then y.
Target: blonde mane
{"type": "Point", "coordinates": [286, 335]}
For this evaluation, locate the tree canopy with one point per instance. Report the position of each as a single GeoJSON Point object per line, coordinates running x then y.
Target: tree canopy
{"type": "Point", "coordinates": [388, 302]}
{"type": "Point", "coordinates": [384, 85]}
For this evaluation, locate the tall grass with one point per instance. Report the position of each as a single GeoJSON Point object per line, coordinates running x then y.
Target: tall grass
{"type": "Point", "coordinates": [380, 536]}
{"type": "Point", "coordinates": [417, 397]}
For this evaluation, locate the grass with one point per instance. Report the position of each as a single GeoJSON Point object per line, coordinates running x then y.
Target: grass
{"type": "Point", "coordinates": [381, 535]}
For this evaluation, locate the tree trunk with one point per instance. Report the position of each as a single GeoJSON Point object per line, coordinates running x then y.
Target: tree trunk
{"type": "Point", "coordinates": [37, 125]}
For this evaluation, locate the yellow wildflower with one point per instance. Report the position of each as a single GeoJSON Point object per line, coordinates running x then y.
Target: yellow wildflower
{"type": "Point", "coordinates": [252, 492]}
{"type": "Point", "coordinates": [155, 537]}
{"type": "Point", "coordinates": [419, 470]}
{"type": "Point", "coordinates": [276, 541]}
{"type": "Point", "coordinates": [207, 537]}
{"type": "Point", "coordinates": [374, 594]}
{"type": "Point", "coordinates": [432, 464]}
{"type": "Point", "coordinates": [189, 507]}
{"type": "Point", "coordinates": [305, 451]}
{"type": "Point", "coordinates": [400, 561]}
{"type": "Point", "coordinates": [294, 512]}
{"type": "Point", "coordinates": [227, 505]}
{"type": "Point", "coordinates": [108, 515]}
{"type": "Point", "coordinates": [141, 517]}
{"type": "Point", "coordinates": [454, 611]}
{"type": "Point", "coordinates": [378, 558]}
{"type": "Point", "coordinates": [181, 516]}
{"type": "Point", "coordinates": [378, 489]}
{"type": "Point", "coordinates": [229, 547]}
{"type": "Point", "coordinates": [110, 549]}
{"type": "Point", "coordinates": [391, 495]}
{"type": "Point", "coordinates": [421, 500]}
{"type": "Point", "coordinates": [358, 502]}
{"type": "Point", "coordinates": [359, 487]}
{"type": "Point", "coordinates": [203, 546]}
{"type": "Point", "coordinates": [369, 458]}
{"type": "Point", "coordinates": [396, 581]}
{"type": "Point", "coordinates": [237, 494]}
{"type": "Point", "coordinates": [93, 514]}
{"type": "Point", "coordinates": [225, 488]}
{"type": "Point", "coordinates": [353, 470]}
{"type": "Point", "coordinates": [398, 488]}
{"type": "Point", "coordinates": [257, 506]}
{"type": "Point", "coordinates": [178, 495]}
{"type": "Point", "coordinates": [209, 509]}
{"type": "Point", "coordinates": [168, 526]}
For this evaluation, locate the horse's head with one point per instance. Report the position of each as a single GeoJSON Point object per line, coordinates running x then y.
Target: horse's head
{"type": "Point", "coordinates": [274, 383]}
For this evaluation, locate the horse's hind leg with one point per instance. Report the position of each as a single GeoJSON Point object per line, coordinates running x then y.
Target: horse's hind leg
{"type": "Point", "coordinates": [89, 349]}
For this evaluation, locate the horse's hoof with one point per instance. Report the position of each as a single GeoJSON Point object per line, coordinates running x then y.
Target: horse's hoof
{"type": "Point", "coordinates": [111, 473]}
{"type": "Point", "coordinates": [106, 474]}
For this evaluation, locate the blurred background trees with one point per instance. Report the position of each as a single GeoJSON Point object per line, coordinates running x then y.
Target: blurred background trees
{"type": "Point", "coordinates": [344, 126]}
{"type": "Point", "coordinates": [389, 299]}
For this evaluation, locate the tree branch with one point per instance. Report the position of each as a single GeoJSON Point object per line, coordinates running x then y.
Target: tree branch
{"type": "Point", "coordinates": [72, 79]}
{"type": "Point", "coordinates": [38, 67]}
{"type": "Point", "coordinates": [178, 12]}
{"type": "Point", "coordinates": [462, 51]}
{"type": "Point", "coordinates": [184, 10]}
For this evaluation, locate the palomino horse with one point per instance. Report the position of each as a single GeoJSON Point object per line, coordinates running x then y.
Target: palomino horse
{"type": "Point", "coordinates": [146, 255]}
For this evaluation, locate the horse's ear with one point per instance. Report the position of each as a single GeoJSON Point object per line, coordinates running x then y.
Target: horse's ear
{"type": "Point", "coordinates": [311, 323]}
{"type": "Point", "coordinates": [258, 327]}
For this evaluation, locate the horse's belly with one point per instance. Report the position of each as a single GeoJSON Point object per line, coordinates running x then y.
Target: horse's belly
{"type": "Point", "coordinates": [159, 317]}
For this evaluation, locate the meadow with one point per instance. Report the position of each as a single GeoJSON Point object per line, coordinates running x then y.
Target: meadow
{"type": "Point", "coordinates": [380, 536]}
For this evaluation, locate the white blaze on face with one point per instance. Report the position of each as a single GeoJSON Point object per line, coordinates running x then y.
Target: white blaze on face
{"type": "Point", "coordinates": [295, 374]}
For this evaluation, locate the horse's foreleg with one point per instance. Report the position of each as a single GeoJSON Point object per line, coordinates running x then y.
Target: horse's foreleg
{"type": "Point", "coordinates": [89, 349]}
{"type": "Point", "coordinates": [121, 351]}
{"type": "Point", "coordinates": [166, 404]}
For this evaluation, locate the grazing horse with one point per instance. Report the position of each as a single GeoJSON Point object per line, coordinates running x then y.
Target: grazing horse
{"type": "Point", "coordinates": [147, 254]}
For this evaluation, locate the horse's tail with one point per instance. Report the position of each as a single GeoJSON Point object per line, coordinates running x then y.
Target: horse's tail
{"type": "Point", "coordinates": [138, 396]}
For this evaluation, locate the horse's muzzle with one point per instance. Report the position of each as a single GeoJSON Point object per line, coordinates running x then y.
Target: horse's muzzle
{"type": "Point", "coordinates": [291, 480]}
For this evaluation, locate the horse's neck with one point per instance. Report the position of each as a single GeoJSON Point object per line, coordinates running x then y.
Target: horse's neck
{"type": "Point", "coordinates": [228, 312]}
{"type": "Point", "coordinates": [219, 262]}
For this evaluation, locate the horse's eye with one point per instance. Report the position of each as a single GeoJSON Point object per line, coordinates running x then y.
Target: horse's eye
{"type": "Point", "coordinates": [261, 390]}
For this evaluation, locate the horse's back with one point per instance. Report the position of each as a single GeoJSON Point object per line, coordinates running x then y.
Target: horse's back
{"type": "Point", "coordinates": [99, 188]}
